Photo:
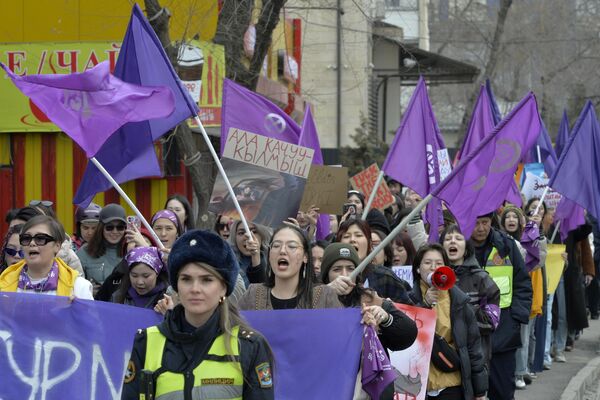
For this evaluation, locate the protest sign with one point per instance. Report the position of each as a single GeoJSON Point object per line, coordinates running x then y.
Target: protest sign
{"type": "Point", "coordinates": [267, 175]}
{"type": "Point", "coordinates": [51, 348]}
{"type": "Point", "coordinates": [412, 364]}
{"type": "Point", "coordinates": [404, 272]}
{"type": "Point", "coordinates": [326, 188]}
{"type": "Point", "coordinates": [54, 349]}
{"type": "Point", "coordinates": [554, 266]}
{"type": "Point", "coordinates": [364, 182]}
{"type": "Point", "coordinates": [534, 185]}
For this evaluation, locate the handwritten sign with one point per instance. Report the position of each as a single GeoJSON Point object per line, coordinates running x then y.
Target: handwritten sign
{"type": "Point", "coordinates": [269, 153]}
{"type": "Point", "coordinates": [267, 175]}
{"type": "Point", "coordinates": [534, 186]}
{"type": "Point", "coordinates": [404, 272]}
{"type": "Point", "coordinates": [325, 188]}
{"type": "Point", "coordinates": [365, 181]}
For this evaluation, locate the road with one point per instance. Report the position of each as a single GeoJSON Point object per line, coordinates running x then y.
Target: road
{"type": "Point", "coordinates": [550, 384]}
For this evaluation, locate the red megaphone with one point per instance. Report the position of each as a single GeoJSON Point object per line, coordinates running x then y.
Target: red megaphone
{"type": "Point", "coordinates": [443, 278]}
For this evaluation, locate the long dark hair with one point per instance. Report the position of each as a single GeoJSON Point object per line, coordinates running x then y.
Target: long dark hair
{"type": "Point", "coordinates": [306, 276]}
{"type": "Point", "coordinates": [405, 241]}
{"type": "Point", "coordinates": [189, 213]}
{"type": "Point", "coordinates": [421, 253]}
{"type": "Point", "coordinates": [13, 230]}
{"type": "Point", "coordinates": [121, 292]}
{"type": "Point", "coordinates": [469, 246]}
{"type": "Point", "coordinates": [96, 247]}
{"type": "Point", "coordinates": [388, 250]}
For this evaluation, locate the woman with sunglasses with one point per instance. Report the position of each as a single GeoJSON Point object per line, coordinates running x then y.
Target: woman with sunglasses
{"type": "Point", "coordinates": [104, 251]}
{"type": "Point", "coordinates": [41, 271]}
{"type": "Point", "coordinates": [223, 225]}
{"type": "Point", "coordinates": [11, 250]}
{"type": "Point", "coordinates": [290, 278]}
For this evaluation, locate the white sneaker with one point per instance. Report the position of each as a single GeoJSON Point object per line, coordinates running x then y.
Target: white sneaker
{"type": "Point", "coordinates": [519, 382]}
{"type": "Point", "coordinates": [560, 357]}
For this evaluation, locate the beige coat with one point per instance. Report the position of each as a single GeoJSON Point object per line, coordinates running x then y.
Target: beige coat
{"type": "Point", "coordinates": [258, 297]}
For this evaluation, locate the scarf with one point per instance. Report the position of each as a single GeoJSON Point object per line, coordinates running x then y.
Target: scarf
{"type": "Point", "coordinates": [47, 285]}
{"type": "Point", "coordinates": [143, 300]}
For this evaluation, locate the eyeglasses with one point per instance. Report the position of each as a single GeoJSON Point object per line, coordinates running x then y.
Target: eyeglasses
{"type": "Point", "coordinates": [45, 203]}
{"type": "Point", "coordinates": [13, 252]}
{"type": "Point", "coordinates": [40, 239]}
{"type": "Point", "coordinates": [291, 246]}
{"type": "Point", "coordinates": [110, 228]}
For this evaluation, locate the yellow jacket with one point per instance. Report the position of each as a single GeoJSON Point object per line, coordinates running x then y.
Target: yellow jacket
{"type": "Point", "coordinates": [66, 278]}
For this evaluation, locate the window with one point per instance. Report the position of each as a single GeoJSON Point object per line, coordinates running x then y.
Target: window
{"type": "Point", "coordinates": [402, 5]}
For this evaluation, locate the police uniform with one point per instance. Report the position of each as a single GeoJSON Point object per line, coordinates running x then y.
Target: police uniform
{"type": "Point", "coordinates": [195, 359]}
{"type": "Point", "coordinates": [175, 360]}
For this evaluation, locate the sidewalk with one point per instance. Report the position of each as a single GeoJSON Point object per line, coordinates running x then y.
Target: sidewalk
{"type": "Point", "coordinates": [551, 384]}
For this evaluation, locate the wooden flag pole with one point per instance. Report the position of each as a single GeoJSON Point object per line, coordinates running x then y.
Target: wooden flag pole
{"type": "Point", "coordinates": [391, 236]}
{"type": "Point", "coordinates": [127, 200]}
{"type": "Point", "coordinates": [222, 172]}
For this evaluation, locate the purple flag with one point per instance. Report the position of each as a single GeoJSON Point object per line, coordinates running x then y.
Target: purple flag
{"type": "Point", "coordinates": [546, 152]}
{"type": "Point", "coordinates": [570, 215]}
{"type": "Point", "coordinates": [323, 349]}
{"type": "Point", "coordinates": [90, 106]}
{"type": "Point", "coordinates": [377, 371]}
{"type": "Point", "coordinates": [577, 175]}
{"type": "Point", "coordinates": [478, 185]}
{"type": "Point", "coordinates": [485, 117]}
{"type": "Point", "coordinates": [529, 241]}
{"type": "Point", "coordinates": [129, 153]}
{"type": "Point", "coordinates": [415, 154]}
{"type": "Point", "coordinates": [563, 134]}
{"type": "Point", "coordinates": [246, 110]}
{"type": "Point", "coordinates": [310, 138]}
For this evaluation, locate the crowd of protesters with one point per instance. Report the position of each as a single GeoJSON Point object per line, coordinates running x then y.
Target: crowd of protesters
{"type": "Point", "coordinates": [497, 328]}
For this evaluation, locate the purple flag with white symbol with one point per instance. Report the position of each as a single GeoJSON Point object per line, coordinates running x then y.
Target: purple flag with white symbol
{"type": "Point", "coordinates": [243, 109]}
{"type": "Point", "coordinates": [479, 183]}
{"type": "Point", "coordinates": [418, 157]}
{"type": "Point", "coordinates": [129, 153]}
{"type": "Point", "coordinates": [90, 106]}
{"type": "Point", "coordinates": [485, 117]}
{"type": "Point", "coordinates": [377, 371]}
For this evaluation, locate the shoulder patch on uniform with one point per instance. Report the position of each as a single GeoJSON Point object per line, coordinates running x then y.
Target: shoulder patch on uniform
{"type": "Point", "coordinates": [130, 373]}
{"type": "Point", "coordinates": [263, 372]}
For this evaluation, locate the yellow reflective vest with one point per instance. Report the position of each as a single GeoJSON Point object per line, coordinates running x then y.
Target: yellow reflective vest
{"type": "Point", "coordinates": [216, 377]}
{"type": "Point", "coordinates": [501, 271]}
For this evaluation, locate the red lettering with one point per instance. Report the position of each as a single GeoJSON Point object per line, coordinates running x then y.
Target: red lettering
{"type": "Point", "coordinates": [91, 62]}
{"type": "Point", "coordinates": [71, 63]}
{"type": "Point", "coordinates": [112, 55]}
{"type": "Point", "coordinates": [15, 58]}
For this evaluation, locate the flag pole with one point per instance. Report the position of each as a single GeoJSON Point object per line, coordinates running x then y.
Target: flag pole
{"type": "Point", "coordinates": [222, 172]}
{"type": "Point", "coordinates": [391, 236]}
{"type": "Point", "coordinates": [372, 195]}
{"type": "Point", "coordinates": [541, 199]}
{"type": "Point", "coordinates": [127, 200]}
{"type": "Point", "coordinates": [554, 233]}
{"type": "Point", "coordinates": [539, 154]}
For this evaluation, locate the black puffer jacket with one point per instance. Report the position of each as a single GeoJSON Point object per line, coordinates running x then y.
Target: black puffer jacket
{"type": "Point", "coordinates": [508, 334]}
{"type": "Point", "coordinates": [481, 289]}
{"type": "Point", "coordinates": [467, 341]}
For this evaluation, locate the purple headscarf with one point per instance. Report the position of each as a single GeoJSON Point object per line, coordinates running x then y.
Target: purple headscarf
{"type": "Point", "coordinates": [147, 255]}
{"type": "Point", "coordinates": [167, 214]}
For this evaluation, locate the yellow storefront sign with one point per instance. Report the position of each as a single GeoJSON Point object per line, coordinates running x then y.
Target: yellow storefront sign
{"type": "Point", "coordinates": [17, 112]}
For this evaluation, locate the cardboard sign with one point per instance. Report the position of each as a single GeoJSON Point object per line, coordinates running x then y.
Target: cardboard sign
{"type": "Point", "coordinates": [364, 182]}
{"type": "Point", "coordinates": [412, 364]}
{"type": "Point", "coordinates": [325, 188]}
{"type": "Point", "coordinates": [267, 175]}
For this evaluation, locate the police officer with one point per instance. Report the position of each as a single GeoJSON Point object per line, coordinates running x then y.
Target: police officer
{"type": "Point", "coordinates": [500, 257]}
{"type": "Point", "coordinates": [203, 348]}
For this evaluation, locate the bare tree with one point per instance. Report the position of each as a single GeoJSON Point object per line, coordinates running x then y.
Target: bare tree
{"type": "Point", "coordinates": [234, 19]}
